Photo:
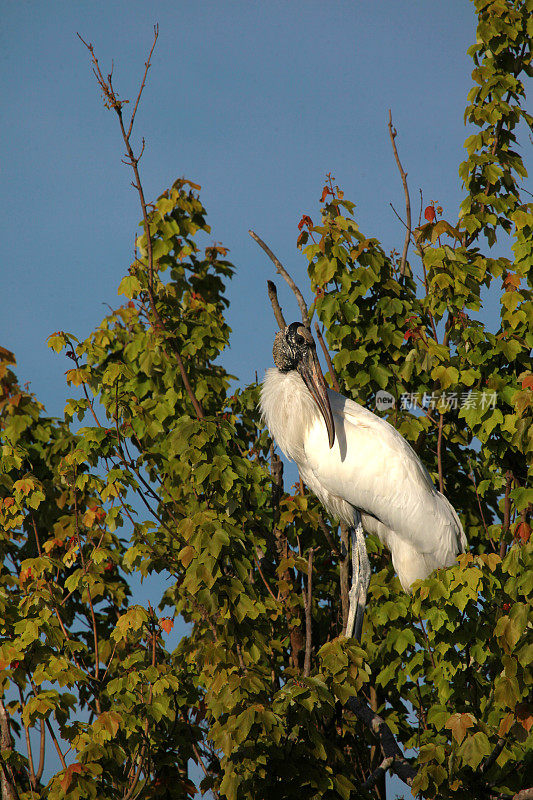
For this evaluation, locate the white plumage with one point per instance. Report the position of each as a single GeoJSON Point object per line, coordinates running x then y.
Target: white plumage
{"type": "Point", "coordinates": [370, 468]}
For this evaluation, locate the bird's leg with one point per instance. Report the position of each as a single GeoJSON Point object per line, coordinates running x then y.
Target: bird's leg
{"type": "Point", "coordinates": [364, 580]}
{"type": "Point", "coordinates": [354, 591]}
{"type": "Point", "coordinates": [360, 581]}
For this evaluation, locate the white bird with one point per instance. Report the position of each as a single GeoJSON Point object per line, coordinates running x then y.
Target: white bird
{"type": "Point", "coordinates": [360, 468]}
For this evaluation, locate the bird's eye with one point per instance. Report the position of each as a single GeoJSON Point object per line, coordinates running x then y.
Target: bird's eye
{"type": "Point", "coordinates": [300, 339]}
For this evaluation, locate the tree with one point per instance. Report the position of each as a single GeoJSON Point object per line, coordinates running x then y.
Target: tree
{"type": "Point", "coordinates": [265, 693]}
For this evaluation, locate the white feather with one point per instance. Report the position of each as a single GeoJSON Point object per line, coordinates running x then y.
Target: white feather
{"type": "Point", "coordinates": [370, 468]}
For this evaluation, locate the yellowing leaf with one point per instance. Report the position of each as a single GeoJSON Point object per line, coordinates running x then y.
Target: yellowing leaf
{"type": "Point", "coordinates": [67, 778]}
{"type": "Point", "coordinates": [505, 725]}
{"type": "Point", "coordinates": [77, 376]}
{"type": "Point", "coordinates": [459, 724]}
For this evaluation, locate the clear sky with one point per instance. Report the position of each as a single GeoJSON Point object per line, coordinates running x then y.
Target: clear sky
{"type": "Point", "coordinates": [256, 101]}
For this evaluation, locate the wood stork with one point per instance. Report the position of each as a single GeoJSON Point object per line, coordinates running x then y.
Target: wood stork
{"type": "Point", "coordinates": [361, 469]}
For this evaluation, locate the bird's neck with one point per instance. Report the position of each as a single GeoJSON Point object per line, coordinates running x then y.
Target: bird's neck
{"type": "Point", "coordinates": [288, 410]}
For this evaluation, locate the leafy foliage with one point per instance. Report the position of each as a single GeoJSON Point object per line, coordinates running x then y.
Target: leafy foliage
{"type": "Point", "coordinates": [261, 691]}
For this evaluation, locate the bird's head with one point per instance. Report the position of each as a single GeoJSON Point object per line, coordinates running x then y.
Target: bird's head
{"type": "Point", "coordinates": [295, 349]}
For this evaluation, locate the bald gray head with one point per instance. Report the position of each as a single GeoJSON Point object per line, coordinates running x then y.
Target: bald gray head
{"type": "Point", "coordinates": [295, 349]}
{"type": "Point", "coordinates": [290, 346]}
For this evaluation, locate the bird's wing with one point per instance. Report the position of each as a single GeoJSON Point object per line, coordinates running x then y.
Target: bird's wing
{"type": "Point", "coordinates": [373, 468]}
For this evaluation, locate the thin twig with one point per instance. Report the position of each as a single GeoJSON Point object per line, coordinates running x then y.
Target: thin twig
{"type": "Point", "coordinates": [147, 67]}
{"type": "Point", "coordinates": [439, 453]}
{"type": "Point", "coordinates": [393, 133]}
{"type": "Point", "coordinates": [324, 529]}
{"type": "Point", "coordinates": [133, 161]}
{"type": "Point", "coordinates": [308, 617]}
{"type": "Point", "coordinates": [31, 766]}
{"type": "Point", "coordinates": [327, 356]}
{"type": "Point", "coordinates": [283, 272]}
{"type": "Point", "coordinates": [271, 593]}
{"type": "Point", "coordinates": [506, 512]}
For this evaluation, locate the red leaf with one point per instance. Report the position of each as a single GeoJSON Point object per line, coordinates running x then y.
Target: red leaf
{"type": "Point", "coordinates": [325, 191]}
{"type": "Point", "coordinates": [511, 282]}
{"type": "Point", "coordinates": [166, 624]}
{"type": "Point", "coordinates": [66, 780]}
{"type": "Point", "coordinates": [429, 213]}
{"type": "Point", "coordinates": [305, 220]}
{"type": "Point", "coordinates": [527, 382]}
{"type": "Point", "coordinates": [524, 715]}
{"type": "Point", "coordinates": [522, 532]}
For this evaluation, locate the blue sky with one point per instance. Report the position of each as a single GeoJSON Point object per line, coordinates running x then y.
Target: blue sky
{"type": "Point", "coordinates": [256, 101]}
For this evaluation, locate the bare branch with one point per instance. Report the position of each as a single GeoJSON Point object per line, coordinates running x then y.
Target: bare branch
{"type": "Point", "coordinates": [388, 744]}
{"type": "Point", "coordinates": [327, 356]}
{"type": "Point", "coordinates": [7, 779]}
{"type": "Point", "coordinates": [283, 272]}
{"type": "Point", "coordinates": [147, 67]}
{"type": "Point", "coordinates": [485, 766]}
{"type": "Point", "coordinates": [324, 529]}
{"type": "Point", "coordinates": [393, 133]}
{"type": "Point", "coordinates": [113, 101]}
{"type": "Point", "coordinates": [31, 765]}
{"type": "Point", "coordinates": [278, 313]}
{"type": "Point", "coordinates": [308, 619]}
{"type": "Point", "coordinates": [378, 773]}
{"type": "Point", "coordinates": [42, 745]}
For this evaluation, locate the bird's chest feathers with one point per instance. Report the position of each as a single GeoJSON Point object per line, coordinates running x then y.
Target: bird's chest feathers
{"type": "Point", "coordinates": [289, 411]}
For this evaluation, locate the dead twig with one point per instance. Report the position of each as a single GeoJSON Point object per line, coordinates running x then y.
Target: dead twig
{"type": "Point", "coordinates": [283, 272]}
{"type": "Point", "coordinates": [112, 100]}
{"type": "Point", "coordinates": [393, 133]}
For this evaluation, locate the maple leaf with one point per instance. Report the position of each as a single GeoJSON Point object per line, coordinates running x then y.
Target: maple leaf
{"type": "Point", "coordinates": [166, 624]}
{"type": "Point", "coordinates": [66, 780]}
{"type": "Point", "coordinates": [511, 282]}
{"type": "Point", "coordinates": [458, 724]}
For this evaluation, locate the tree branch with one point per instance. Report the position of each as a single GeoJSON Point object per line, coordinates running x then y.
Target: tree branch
{"type": "Point", "coordinates": [388, 744]}
{"type": "Point", "coordinates": [278, 313]}
{"type": "Point", "coordinates": [506, 512]}
{"type": "Point", "coordinates": [7, 779]}
{"type": "Point", "coordinates": [327, 356]}
{"type": "Point", "coordinates": [147, 67]}
{"type": "Point", "coordinates": [378, 773]}
{"type": "Point", "coordinates": [113, 101]}
{"type": "Point", "coordinates": [439, 453]}
{"type": "Point", "coordinates": [308, 619]}
{"type": "Point", "coordinates": [283, 272]}
{"type": "Point", "coordinates": [393, 133]}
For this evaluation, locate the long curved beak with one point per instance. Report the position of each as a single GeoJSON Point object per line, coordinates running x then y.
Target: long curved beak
{"type": "Point", "coordinates": [309, 369]}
